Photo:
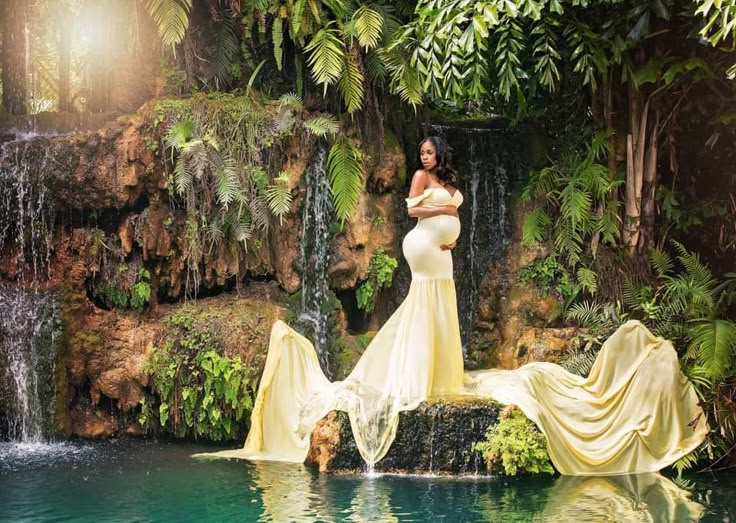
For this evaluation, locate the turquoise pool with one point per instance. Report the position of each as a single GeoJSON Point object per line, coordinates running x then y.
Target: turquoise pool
{"type": "Point", "coordinates": [133, 480]}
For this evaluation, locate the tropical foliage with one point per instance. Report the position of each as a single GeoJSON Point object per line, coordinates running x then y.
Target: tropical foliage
{"type": "Point", "coordinates": [689, 306]}
{"type": "Point", "coordinates": [198, 392]}
{"type": "Point", "coordinates": [380, 275]}
{"type": "Point", "coordinates": [515, 445]}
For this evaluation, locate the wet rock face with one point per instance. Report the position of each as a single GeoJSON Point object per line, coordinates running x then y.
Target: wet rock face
{"type": "Point", "coordinates": [437, 437]}
{"type": "Point", "coordinates": [107, 351]}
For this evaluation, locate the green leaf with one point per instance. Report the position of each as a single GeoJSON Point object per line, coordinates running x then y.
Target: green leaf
{"type": "Point", "coordinates": [345, 172]}
{"type": "Point", "coordinates": [535, 226]}
{"type": "Point", "coordinates": [351, 83]}
{"type": "Point", "coordinates": [715, 342]}
{"type": "Point", "coordinates": [322, 125]}
{"type": "Point", "coordinates": [172, 19]}
{"type": "Point", "coordinates": [369, 26]}
{"type": "Point", "coordinates": [326, 56]}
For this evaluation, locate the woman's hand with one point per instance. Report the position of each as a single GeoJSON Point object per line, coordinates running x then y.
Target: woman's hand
{"type": "Point", "coordinates": [448, 246]}
{"type": "Point", "coordinates": [452, 211]}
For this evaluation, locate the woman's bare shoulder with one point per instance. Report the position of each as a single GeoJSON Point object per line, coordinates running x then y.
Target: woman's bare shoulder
{"type": "Point", "coordinates": [420, 175]}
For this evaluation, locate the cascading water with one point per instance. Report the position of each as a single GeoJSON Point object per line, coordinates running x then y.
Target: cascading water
{"type": "Point", "coordinates": [29, 334]}
{"type": "Point", "coordinates": [490, 164]}
{"type": "Point", "coordinates": [28, 317]}
{"type": "Point", "coordinates": [313, 318]}
{"type": "Point", "coordinates": [26, 206]}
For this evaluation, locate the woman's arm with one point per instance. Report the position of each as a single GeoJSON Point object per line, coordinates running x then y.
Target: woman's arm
{"type": "Point", "coordinates": [426, 212]}
{"type": "Point", "coordinates": [418, 184]}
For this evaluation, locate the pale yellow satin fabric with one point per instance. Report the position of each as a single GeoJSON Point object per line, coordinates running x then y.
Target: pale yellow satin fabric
{"type": "Point", "coordinates": [635, 412]}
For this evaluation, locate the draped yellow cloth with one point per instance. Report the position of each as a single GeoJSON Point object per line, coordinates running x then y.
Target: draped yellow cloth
{"type": "Point", "coordinates": [634, 413]}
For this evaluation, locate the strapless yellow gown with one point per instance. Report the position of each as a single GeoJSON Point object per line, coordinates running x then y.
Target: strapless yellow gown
{"type": "Point", "coordinates": [635, 412]}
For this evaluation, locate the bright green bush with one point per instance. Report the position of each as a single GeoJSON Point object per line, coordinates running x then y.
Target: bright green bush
{"type": "Point", "coordinates": [380, 275]}
{"type": "Point", "coordinates": [516, 445]}
{"type": "Point", "coordinates": [198, 392]}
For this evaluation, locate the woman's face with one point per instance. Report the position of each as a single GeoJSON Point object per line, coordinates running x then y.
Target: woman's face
{"type": "Point", "coordinates": [428, 155]}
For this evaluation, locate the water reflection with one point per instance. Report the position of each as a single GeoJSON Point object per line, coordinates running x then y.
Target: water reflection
{"type": "Point", "coordinates": [295, 493]}
{"type": "Point", "coordinates": [641, 497]}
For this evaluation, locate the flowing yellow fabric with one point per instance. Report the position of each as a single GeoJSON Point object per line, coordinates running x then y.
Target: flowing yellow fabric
{"type": "Point", "coordinates": [634, 413]}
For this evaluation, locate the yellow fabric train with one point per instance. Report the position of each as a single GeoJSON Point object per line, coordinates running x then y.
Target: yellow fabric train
{"type": "Point", "coordinates": [635, 412]}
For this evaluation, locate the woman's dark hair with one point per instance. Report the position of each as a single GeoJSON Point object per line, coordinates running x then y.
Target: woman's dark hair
{"type": "Point", "coordinates": [445, 173]}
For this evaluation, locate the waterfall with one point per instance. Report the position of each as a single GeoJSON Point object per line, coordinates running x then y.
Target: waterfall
{"type": "Point", "coordinates": [490, 165]}
{"type": "Point", "coordinates": [29, 335]}
{"type": "Point", "coordinates": [313, 316]}
{"type": "Point", "coordinates": [26, 206]}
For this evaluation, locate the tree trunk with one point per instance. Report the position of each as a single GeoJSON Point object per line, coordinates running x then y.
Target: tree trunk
{"type": "Point", "coordinates": [65, 51]}
{"type": "Point", "coordinates": [14, 55]}
{"type": "Point", "coordinates": [649, 190]}
{"type": "Point", "coordinates": [636, 142]}
{"type": "Point", "coordinates": [607, 104]}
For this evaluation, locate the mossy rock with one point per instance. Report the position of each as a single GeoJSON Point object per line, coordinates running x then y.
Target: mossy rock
{"type": "Point", "coordinates": [436, 437]}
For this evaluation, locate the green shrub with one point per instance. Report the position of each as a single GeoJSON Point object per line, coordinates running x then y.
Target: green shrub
{"type": "Point", "coordinates": [198, 391]}
{"type": "Point", "coordinates": [380, 275]}
{"type": "Point", "coordinates": [515, 444]}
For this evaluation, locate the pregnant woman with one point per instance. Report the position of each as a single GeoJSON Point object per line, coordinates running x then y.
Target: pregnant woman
{"type": "Point", "coordinates": [635, 412]}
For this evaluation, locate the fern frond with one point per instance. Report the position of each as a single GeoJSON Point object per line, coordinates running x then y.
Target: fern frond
{"type": "Point", "coordinates": [182, 176]}
{"type": "Point", "coordinates": [575, 206]}
{"type": "Point", "coordinates": [279, 197]}
{"type": "Point", "coordinates": [292, 100]}
{"type": "Point", "coordinates": [171, 17]}
{"type": "Point", "coordinates": [376, 67]}
{"type": "Point", "coordinates": [715, 343]}
{"type": "Point", "coordinates": [588, 280]}
{"type": "Point", "coordinates": [369, 26]}
{"type": "Point", "coordinates": [226, 52]}
{"type": "Point", "coordinates": [661, 261]}
{"type": "Point", "coordinates": [535, 226]}
{"type": "Point", "coordinates": [322, 125]}
{"type": "Point", "coordinates": [580, 362]}
{"type": "Point", "coordinates": [259, 213]}
{"type": "Point", "coordinates": [326, 56]}
{"type": "Point", "coordinates": [586, 314]}
{"type": "Point", "coordinates": [686, 462]}
{"type": "Point", "coordinates": [277, 38]}
{"type": "Point", "coordinates": [345, 172]}
{"type": "Point", "coordinates": [179, 133]}
{"type": "Point", "coordinates": [696, 269]}
{"type": "Point", "coordinates": [351, 83]}
{"type": "Point", "coordinates": [226, 180]}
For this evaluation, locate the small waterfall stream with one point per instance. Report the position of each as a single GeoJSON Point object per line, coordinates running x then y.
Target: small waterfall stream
{"type": "Point", "coordinates": [26, 206]}
{"type": "Point", "coordinates": [490, 164]}
{"type": "Point", "coordinates": [313, 318]}
{"type": "Point", "coordinates": [29, 333]}
{"type": "Point", "coordinates": [29, 317]}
